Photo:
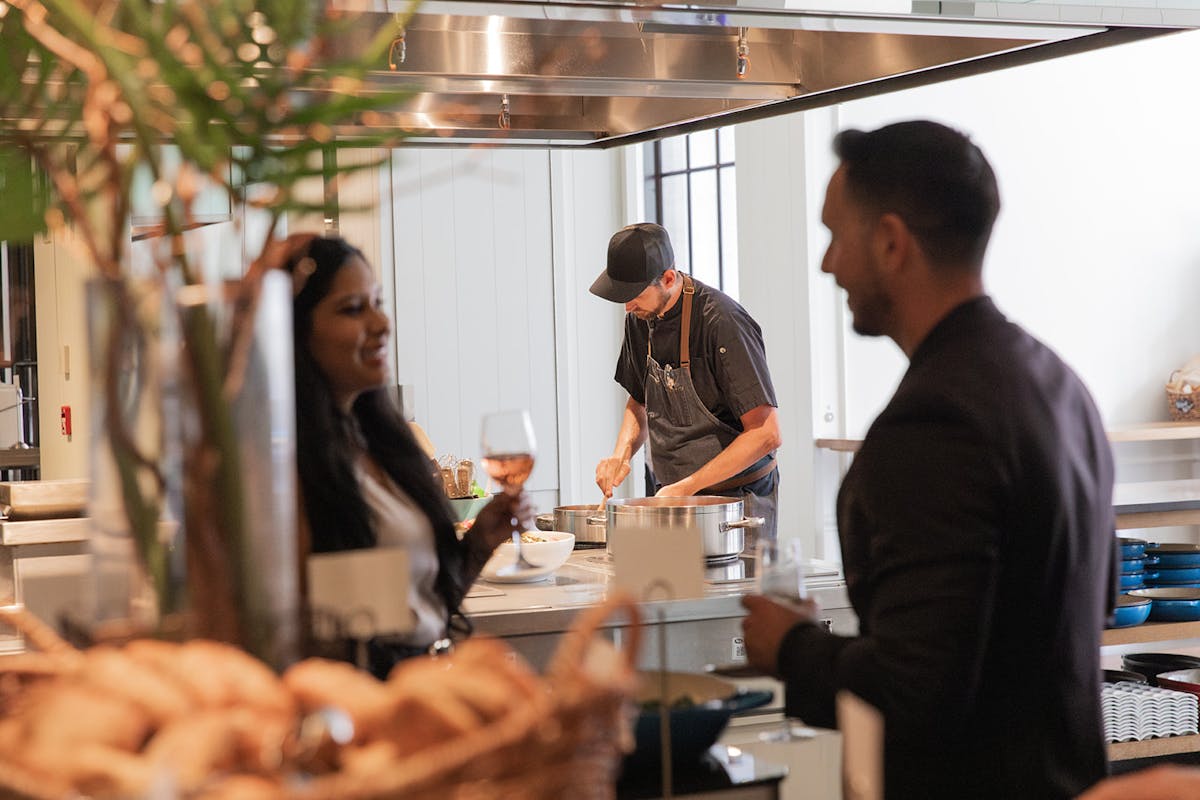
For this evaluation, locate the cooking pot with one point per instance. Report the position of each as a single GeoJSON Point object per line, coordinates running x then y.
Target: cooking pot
{"type": "Point", "coordinates": [588, 525]}
{"type": "Point", "coordinates": [718, 521]}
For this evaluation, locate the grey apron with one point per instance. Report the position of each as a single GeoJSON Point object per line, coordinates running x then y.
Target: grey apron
{"type": "Point", "coordinates": [685, 435]}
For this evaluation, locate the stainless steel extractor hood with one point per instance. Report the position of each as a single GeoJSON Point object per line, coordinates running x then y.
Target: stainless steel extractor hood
{"type": "Point", "coordinates": [598, 74]}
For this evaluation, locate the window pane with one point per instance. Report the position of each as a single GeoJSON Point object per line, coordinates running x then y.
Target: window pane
{"type": "Point", "coordinates": [649, 158]}
{"type": "Point", "coordinates": [674, 154]}
{"type": "Point", "coordinates": [729, 249]}
{"type": "Point", "coordinates": [704, 149]}
{"type": "Point", "coordinates": [725, 137]}
{"type": "Point", "coordinates": [651, 200]}
{"type": "Point", "coordinates": [705, 244]}
{"type": "Point", "coordinates": [675, 218]}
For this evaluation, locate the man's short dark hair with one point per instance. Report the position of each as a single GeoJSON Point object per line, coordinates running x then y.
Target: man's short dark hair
{"type": "Point", "coordinates": [932, 177]}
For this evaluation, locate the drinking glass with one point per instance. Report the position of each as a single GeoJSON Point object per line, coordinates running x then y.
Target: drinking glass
{"type": "Point", "coordinates": [508, 453]}
{"type": "Point", "coordinates": [780, 570]}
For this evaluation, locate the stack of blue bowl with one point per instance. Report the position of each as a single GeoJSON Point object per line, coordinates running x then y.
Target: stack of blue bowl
{"type": "Point", "coordinates": [1133, 563]}
{"type": "Point", "coordinates": [1177, 566]}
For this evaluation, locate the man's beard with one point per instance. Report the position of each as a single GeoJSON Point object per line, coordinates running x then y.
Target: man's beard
{"type": "Point", "coordinates": [664, 297]}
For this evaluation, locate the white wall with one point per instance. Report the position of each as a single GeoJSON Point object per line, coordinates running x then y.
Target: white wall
{"type": "Point", "coordinates": [63, 377]}
{"type": "Point", "coordinates": [1097, 249]}
{"type": "Point", "coordinates": [588, 192]}
{"type": "Point", "coordinates": [474, 315]}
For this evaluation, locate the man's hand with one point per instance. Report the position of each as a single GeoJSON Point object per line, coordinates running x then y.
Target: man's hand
{"type": "Point", "coordinates": [610, 472]}
{"type": "Point", "coordinates": [683, 488]}
{"type": "Point", "coordinates": [765, 625]}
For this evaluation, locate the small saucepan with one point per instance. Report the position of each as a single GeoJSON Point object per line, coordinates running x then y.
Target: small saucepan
{"type": "Point", "coordinates": [586, 522]}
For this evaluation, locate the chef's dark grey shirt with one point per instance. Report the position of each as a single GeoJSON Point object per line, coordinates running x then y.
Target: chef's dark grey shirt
{"type": "Point", "coordinates": [729, 361]}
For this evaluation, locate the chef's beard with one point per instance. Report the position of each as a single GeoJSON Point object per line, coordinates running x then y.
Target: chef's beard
{"type": "Point", "coordinates": [660, 308]}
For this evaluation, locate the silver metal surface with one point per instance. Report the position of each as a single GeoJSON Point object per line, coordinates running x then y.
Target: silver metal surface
{"type": "Point", "coordinates": [568, 74]}
{"type": "Point", "coordinates": [718, 521]}
{"type": "Point", "coordinates": [603, 73]}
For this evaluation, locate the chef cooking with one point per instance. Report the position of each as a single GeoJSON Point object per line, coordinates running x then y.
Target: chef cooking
{"type": "Point", "coordinates": [694, 365]}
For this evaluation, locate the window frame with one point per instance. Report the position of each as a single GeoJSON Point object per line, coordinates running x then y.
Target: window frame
{"type": "Point", "coordinates": [652, 184]}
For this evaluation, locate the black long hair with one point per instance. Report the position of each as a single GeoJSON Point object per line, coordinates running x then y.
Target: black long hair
{"type": "Point", "coordinates": [328, 439]}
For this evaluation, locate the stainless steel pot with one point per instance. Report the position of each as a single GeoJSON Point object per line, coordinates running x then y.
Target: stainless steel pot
{"type": "Point", "coordinates": [718, 521]}
{"type": "Point", "coordinates": [585, 522]}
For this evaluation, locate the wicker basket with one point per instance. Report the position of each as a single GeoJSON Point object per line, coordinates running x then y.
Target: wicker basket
{"type": "Point", "coordinates": [1183, 406]}
{"type": "Point", "coordinates": [567, 744]}
{"type": "Point", "coordinates": [568, 741]}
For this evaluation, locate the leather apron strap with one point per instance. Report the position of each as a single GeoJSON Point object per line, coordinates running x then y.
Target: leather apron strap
{"type": "Point", "coordinates": [685, 327]}
{"type": "Point", "coordinates": [738, 481]}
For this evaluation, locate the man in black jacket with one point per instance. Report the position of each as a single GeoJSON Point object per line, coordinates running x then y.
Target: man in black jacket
{"type": "Point", "coordinates": [976, 520]}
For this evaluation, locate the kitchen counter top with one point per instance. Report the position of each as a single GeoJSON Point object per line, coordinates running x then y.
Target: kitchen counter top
{"type": "Point", "coordinates": [548, 606]}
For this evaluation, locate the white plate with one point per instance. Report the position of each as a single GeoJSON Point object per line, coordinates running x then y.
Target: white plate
{"type": "Point", "coordinates": [525, 576]}
{"type": "Point", "coordinates": [547, 555]}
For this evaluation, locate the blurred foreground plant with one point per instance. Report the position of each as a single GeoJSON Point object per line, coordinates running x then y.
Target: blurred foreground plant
{"type": "Point", "coordinates": [228, 93]}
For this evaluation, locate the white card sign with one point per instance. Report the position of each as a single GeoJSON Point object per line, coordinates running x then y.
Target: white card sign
{"type": "Point", "coordinates": [658, 563]}
{"type": "Point", "coordinates": [366, 589]}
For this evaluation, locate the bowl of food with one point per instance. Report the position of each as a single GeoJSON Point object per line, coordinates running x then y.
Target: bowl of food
{"type": "Point", "coordinates": [545, 550]}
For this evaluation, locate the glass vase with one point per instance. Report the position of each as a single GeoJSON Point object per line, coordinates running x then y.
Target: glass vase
{"type": "Point", "coordinates": [194, 500]}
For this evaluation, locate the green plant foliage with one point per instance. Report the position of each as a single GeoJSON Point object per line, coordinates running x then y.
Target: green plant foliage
{"type": "Point", "coordinates": [22, 197]}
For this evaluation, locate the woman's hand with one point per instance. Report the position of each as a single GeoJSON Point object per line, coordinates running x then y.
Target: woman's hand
{"type": "Point", "coordinates": [494, 523]}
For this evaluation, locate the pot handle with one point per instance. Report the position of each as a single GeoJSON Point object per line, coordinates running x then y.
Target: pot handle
{"type": "Point", "coordinates": [748, 522]}
{"type": "Point", "coordinates": [597, 520]}
{"type": "Point", "coordinates": [544, 522]}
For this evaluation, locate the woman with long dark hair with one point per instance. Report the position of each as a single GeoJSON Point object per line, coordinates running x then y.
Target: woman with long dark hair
{"type": "Point", "coordinates": [364, 481]}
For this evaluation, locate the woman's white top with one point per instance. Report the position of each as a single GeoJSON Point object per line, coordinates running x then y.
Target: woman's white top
{"type": "Point", "coordinates": [400, 522]}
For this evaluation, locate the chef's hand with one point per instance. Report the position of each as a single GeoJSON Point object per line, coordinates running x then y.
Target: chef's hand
{"type": "Point", "coordinates": [765, 625]}
{"type": "Point", "coordinates": [1165, 782]}
{"type": "Point", "coordinates": [494, 523]}
{"type": "Point", "coordinates": [610, 472]}
{"type": "Point", "coordinates": [683, 488]}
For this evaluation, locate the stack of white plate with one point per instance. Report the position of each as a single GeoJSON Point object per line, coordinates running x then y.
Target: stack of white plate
{"type": "Point", "coordinates": [1134, 712]}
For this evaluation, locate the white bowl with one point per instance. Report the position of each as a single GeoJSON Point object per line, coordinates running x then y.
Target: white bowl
{"type": "Point", "coordinates": [546, 556]}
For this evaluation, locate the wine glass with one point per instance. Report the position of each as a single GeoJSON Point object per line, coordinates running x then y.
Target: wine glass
{"type": "Point", "coordinates": [508, 453]}
{"type": "Point", "coordinates": [780, 571]}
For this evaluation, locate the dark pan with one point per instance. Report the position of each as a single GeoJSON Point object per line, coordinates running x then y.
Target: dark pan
{"type": "Point", "coordinates": [1150, 664]}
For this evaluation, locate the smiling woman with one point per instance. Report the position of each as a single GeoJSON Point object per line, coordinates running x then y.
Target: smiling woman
{"type": "Point", "coordinates": [349, 333]}
{"type": "Point", "coordinates": [364, 481]}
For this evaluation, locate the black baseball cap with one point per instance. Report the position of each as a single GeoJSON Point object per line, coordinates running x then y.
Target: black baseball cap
{"type": "Point", "coordinates": [637, 256]}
